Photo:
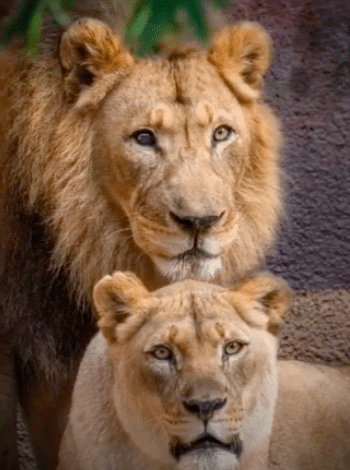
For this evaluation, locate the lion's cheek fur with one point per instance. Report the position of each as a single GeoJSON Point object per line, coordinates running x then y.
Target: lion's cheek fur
{"type": "Point", "coordinates": [113, 172]}
{"type": "Point", "coordinates": [137, 398]}
{"type": "Point", "coordinates": [259, 407]}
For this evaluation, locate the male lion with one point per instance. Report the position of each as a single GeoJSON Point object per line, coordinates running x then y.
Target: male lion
{"type": "Point", "coordinates": [166, 167]}
{"type": "Point", "coordinates": [184, 378]}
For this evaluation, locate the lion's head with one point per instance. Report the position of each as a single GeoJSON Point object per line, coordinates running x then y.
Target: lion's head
{"type": "Point", "coordinates": [164, 165]}
{"type": "Point", "coordinates": [195, 376]}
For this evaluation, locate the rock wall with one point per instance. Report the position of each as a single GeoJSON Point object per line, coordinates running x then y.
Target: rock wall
{"type": "Point", "coordinates": [309, 86]}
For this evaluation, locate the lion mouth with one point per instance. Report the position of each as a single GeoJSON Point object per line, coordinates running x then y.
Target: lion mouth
{"type": "Point", "coordinates": [194, 262]}
{"type": "Point", "coordinates": [207, 442]}
{"type": "Point", "coordinates": [195, 252]}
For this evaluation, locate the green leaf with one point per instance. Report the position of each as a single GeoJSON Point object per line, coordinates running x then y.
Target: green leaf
{"type": "Point", "coordinates": [60, 14]}
{"type": "Point", "coordinates": [66, 5]}
{"type": "Point", "coordinates": [152, 18]}
{"type": "Point", "coordinates": [139, 23]}
{"type": "Point", "coordinates": [21, 23]}
{"type": "Point", "coordinates": [221, 3]}
{"type": "Point", "coordinates": [28, 22]}
{"type": "Point", "coordinates": [149, 21]}
{"type": "Point", "coordinates": [34, 32]}
{"type": "Point", "coordinates": [197, 16]}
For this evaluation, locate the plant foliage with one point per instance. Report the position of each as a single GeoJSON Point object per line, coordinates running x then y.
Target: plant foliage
{"type": "Point", "coordinates": [149, 21]}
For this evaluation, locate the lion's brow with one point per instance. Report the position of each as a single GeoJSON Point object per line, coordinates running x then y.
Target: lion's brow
{"type": "Point", "coordinates": [197, 317]}
{"type": "Point", "coordinates": [180, 97]}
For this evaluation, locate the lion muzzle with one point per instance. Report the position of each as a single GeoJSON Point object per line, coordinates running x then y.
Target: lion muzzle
{"type": "Point", "coordinates": [207, 442]}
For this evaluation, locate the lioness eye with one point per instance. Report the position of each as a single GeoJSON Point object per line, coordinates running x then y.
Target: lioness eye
{"type": "Point", "coordinates": [162, 353]}
{"type": "Point", "coordinates": [145, 137]}
{"type": "Point", "coordinates": [222, 133]}
{"type": "Point", "coordinates": [233, 347]}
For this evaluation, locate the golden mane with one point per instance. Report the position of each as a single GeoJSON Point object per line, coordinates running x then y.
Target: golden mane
{"type": "Point", "coordinates": [54, 168]}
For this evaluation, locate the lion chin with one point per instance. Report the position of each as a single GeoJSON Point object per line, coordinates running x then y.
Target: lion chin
{"type": "Point", "coordinates": [207, 453]}
{"type": "Point", "coordinates": [197, 265]}
{"type": "Point", "coordinates": [208, 459]}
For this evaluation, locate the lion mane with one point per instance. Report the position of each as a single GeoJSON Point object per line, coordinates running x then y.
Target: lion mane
{"type": "Point", "coordinates": [165, 167]}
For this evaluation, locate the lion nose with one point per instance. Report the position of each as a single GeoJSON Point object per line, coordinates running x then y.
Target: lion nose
{"type": "Point", "coordinates": [196, 224]}
{"type": "Point", "coordinates": [204, 408]}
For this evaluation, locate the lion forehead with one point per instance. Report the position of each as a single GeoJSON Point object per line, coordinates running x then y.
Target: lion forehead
{"type": "Point", "coordinates": [186, 318]}
{"type": "Point", "coordinates": [186, 87]}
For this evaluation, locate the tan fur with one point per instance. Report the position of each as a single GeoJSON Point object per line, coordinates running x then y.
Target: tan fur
{"type": "Point", "coordinates": [312, 422]}
{"type": "Point", "coordinates": [127, 408]}
{"type": "Point", "coordinates": [130, 407]}
{"type": "Point", "coordinates": [105, 198]}
{"type": "Point", "coordinates": [81, 198]}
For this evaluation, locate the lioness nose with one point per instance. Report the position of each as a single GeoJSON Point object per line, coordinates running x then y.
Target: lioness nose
{"type": "Point", "coordinates": [204, 408]}
{"type": "Point", "coordinates": [196, 224]}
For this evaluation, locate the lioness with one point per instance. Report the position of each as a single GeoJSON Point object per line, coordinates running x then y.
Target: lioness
{"type": "Point", "coordinates": [183, 378]}
{"type": "Point", "coordinates": [186, 378]}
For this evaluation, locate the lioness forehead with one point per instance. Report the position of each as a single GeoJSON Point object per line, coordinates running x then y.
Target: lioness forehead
{"type": "Point", "coordinates": [199, 302]}
{"type": "Point", "coordinates": [188, 287]}
{"type": "Point", "coordinates": [191, 310]}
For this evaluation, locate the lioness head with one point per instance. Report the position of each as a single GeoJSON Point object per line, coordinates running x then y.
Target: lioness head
{"type": "Point", "coordinates": [184, 149]}
{"type": "Point", "coordinates": [194, 365]}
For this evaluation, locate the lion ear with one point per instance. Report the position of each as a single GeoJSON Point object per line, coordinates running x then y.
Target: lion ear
{"type": "Point", "coordinates": [117, 297]}
{"type": "Point", "coordinates": [242, 53]}
{"type": "Point", "coordinates": [273, 293]}
{"type": "Point", "coordinates": [92, 58]}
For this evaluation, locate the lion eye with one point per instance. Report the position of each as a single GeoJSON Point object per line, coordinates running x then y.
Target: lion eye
{"type": "Point", "coordinates": [145, 138]}
{"type": "Point", "coordinates": [222, 133]}
{"type": "Point", "coordinates": [233, 347]}
{"type": "Point", "coordinates": [162, 353]}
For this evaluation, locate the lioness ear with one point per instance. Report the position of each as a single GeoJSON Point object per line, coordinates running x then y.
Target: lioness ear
{"type": "Point", "coordinates": [273, 293]}
{"type": "Point", "coordinates": [92, 58]}
{"type": "Point", "coordinates": [115, 298]}
{"type": "Point", "coordinates": [242, 53]}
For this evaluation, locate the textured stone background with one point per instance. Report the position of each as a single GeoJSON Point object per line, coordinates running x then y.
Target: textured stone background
{"type": "Point", "coordinates": [309, 86]}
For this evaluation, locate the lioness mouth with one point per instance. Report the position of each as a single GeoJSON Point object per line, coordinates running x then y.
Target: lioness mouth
{"type": "Point", "coordinates": [206, 442]}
